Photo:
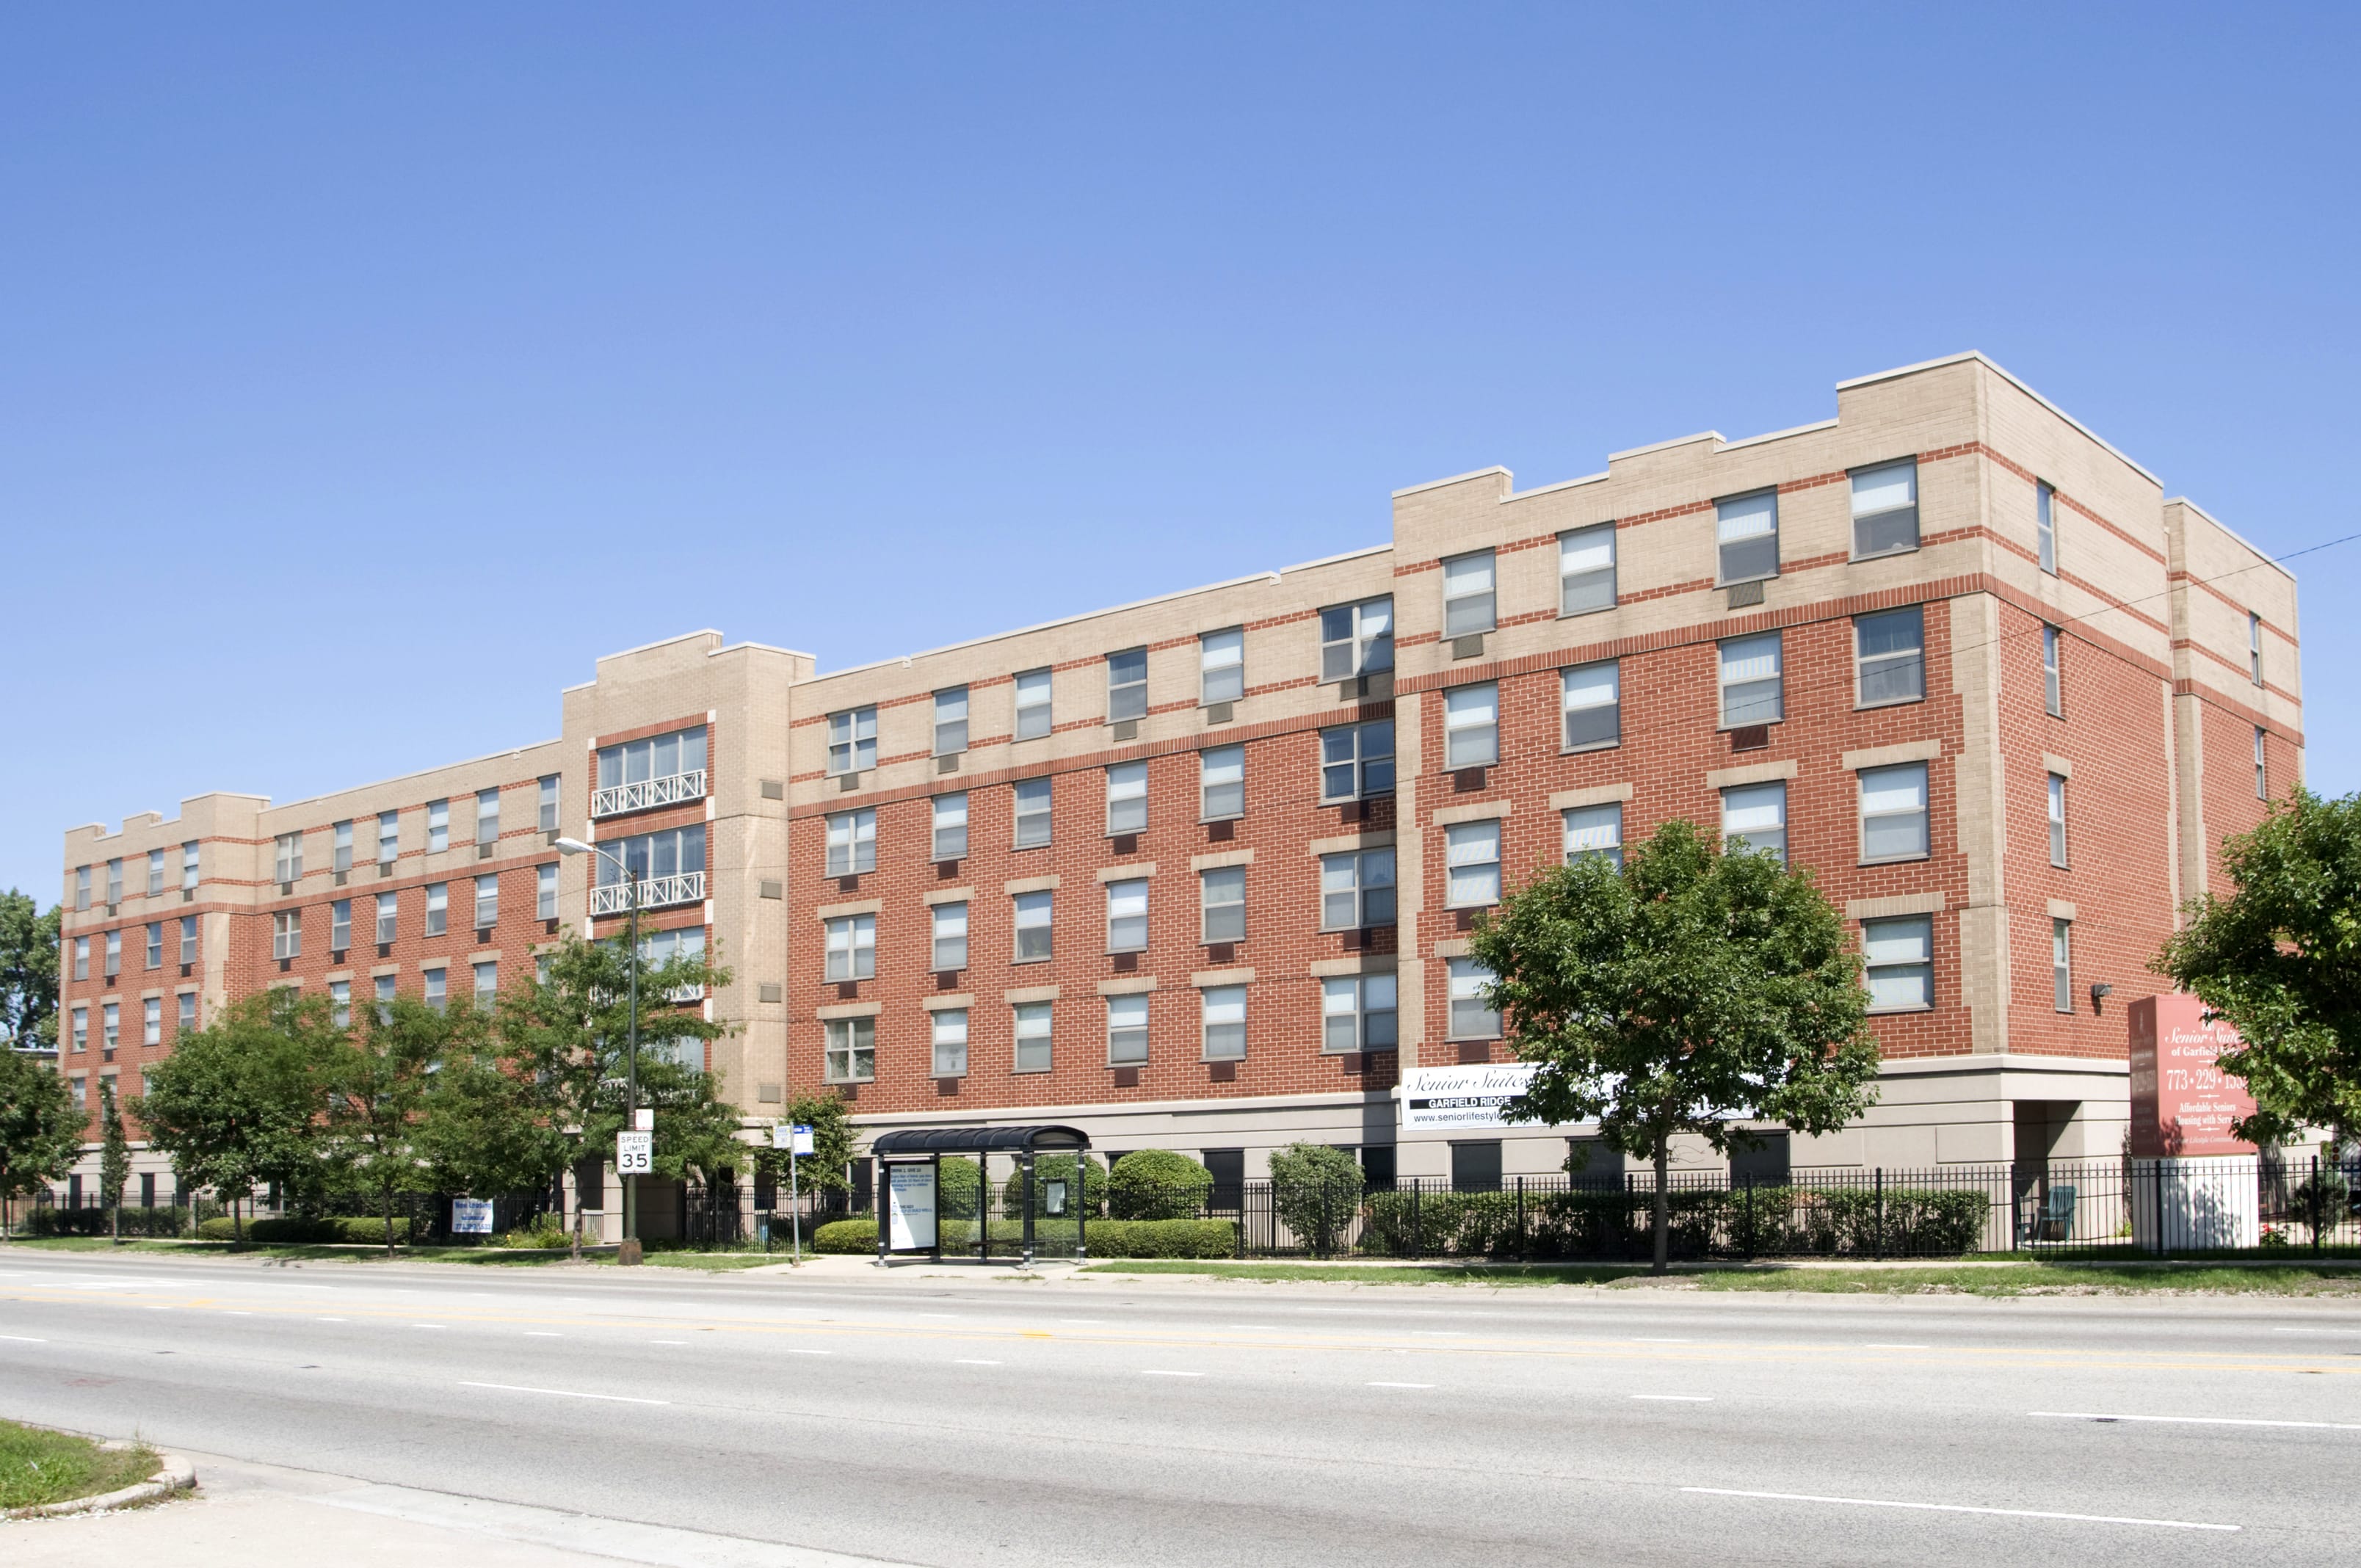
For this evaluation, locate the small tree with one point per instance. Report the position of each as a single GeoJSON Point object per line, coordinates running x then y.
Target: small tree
{"type": "Point", "coordinates": [114, 1157]}
{"type": "Point", "coordinates": [826, 1168]}
{"type": "Point", "coordinates": [245, 1100]}
{"type": "Point", "coordinates": [2281, 961]}
{"type": "Point", "coordinates": [380, 1079]}
{"type": "Point", "coordinates": [40, 1130]}
{"type": "Point", "coordinates": [29, 973]}
{"type": "Point", "coordinates": [1315, 1190]}
{"type": "Point", "coordinates": [1156, 1184]}
{"type": "Point", "coordinates": [1680, 994]}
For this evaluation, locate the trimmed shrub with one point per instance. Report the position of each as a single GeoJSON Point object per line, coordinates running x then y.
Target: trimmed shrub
{"type": "Point", "coordinates": [372, 1230]}
{"type": "Point", "coordinates": [1315, 1190]}
{"type": "Point", "coordinates": [846, 1236]}
{"type": "Point", "coordinates": [1156, 1184]}
{"type": "Point", "coordinates": [1107, 1238]}
{"type": "Point", "coordinates": [282, 1229]}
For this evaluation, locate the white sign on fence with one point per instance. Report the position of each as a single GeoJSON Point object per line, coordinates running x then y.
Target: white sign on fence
{"type": "Point", "coordinates": [471, 1216]}
{"type": "Point", "coordinates": [635, 1154]}
{"type": "Point", "coordinates": [1461, 1097]}
{"type": "Point", "coordinates": [909, 1207]}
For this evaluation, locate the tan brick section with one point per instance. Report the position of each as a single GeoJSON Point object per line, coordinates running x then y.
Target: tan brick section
{"type": "Point", "coordinates": [2162, 702]}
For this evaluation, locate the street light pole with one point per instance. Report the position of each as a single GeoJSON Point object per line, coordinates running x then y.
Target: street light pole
{"type": "Point", "coordinates": [629, 1252]}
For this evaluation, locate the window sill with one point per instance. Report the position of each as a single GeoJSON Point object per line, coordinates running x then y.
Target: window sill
{"type": "Point", "coordinates": [1043, 960]}
{"type": "Point", "coordinates": [1884, 555]}
{"type": "Point", "coordinates": [1896, 859]}
{"type": "Point", "coordinates": [1890, 702]}
{"type": "Point", "coordinates": [1897, 1012]}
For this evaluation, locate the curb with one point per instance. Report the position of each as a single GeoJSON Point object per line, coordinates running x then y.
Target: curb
{"type": "Point", "coordinates": [173, 1474]}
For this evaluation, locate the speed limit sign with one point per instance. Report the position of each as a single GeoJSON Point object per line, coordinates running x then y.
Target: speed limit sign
{"type": "Point", "coordinates": [635, 1154]}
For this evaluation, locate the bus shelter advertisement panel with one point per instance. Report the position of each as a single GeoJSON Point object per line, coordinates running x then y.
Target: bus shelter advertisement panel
{"type": "Point", "coordinates": [909, 1207]}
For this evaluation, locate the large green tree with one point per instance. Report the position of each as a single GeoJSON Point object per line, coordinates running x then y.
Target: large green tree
{"type": "Point", "coordinates": [1686, 991]}
{"type": "Point", "coordinates": [40, 1130]}
{"type": "Point", "coordinates": [2280, 959]}
{"type": "Point", "coordinates": [379, 1074]}
{"type": "Point", "coordinates": [28, 972]}
{"type": "Point", "coordinates": [245, 1100]}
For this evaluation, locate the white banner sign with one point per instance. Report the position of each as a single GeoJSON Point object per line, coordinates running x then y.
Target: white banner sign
{"type": "Point", "coordinates": [909, 1207]}
{"type": "Point", "coordinates": [1462, 1097]}
{"type": "Point", "coordinates": [471, 1216]}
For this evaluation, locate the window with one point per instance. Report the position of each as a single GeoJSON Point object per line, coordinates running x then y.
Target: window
{"type": "Point", "coordinates": [488, 902]}
{"type": "Point", "coordinates": [950, 936]}
{"type": "Point", "coordinates": [82, 887]}
{"type": "Point", "coordinates": [852, 843]}
{"type": "Point", "coordinates": [1127, 1030]}
{"type": "Point", "coordinates": [1471, 856]}
{"type": "Point", "coordinates": [1126, 685]}
{"type": "Point", "coordinates": [2056, 819]}
{"type": "Point", "coordinates": [1032, 704]}
{"type": "Point", "coordinates": [1473, 1016]}
{"type": "Point", "coordinates": [852, 740]}
{"type": "Point", "coordinates": [1469, 599]}
{"type": "Point", "coordinates": [82, 957]}
{"type": "Point", "coordinates": [1032, 927]}
{"type": "Point", "coordinates": [1748, 529]}
{"type": "Point", "coordinates": [1884, 510]}
{"type": "Point", "coordinates": [1596, 830]}
{"type": "Point", "coordinates": [389, 837]}
{"type": "Point", "coordinates": [1593, 705]}
{"type": "Point", "coordinates": [287, 934]}
{"type": "Point", "coordinates": [2062, 964]}
{"type": "Point", "coordinates": [1222, 903]}
{"type": "Point", "coordinates": [951, 826]}
{"type": "Point", "coordinates": [1032, 813]}
{"type": "Point", "coordinates": [340, 1003]}
{"type": "Point", "coordinates": [113, 954]}
{"type": "Point", "coordinates": [1471, 726]}
{"type": "Point", "coordinates": [2262, 783]}
{"type": "Point", "coordinates": [436, 979]}
{"type": "Point", "coordinates": [488, 984]}
{"type": "Point", "coordinates": [951, 721]}
{"type": "Point", "coordinates": [151, 1021]}
{"type": "Point", "coordinates": [488, 817]}
{"type": "Point", "coordinates": [950, 1042]}
{"type": "Point", "coordinates": [189, 867]}
{"type": "Point", "coordinates": [186, 1018]}
{"type": "Point", "coordinates": [1586, 569]}
{"type": "Point", "coordinates": [1356, 890]}
{"type": "Point", "coordinates": [1221, 783]}
{"type": "Point", "coordinates": [541, 969]}
{"type": "Point", "coordinates": [438, 826]}
{"type": "Point", "coordinates": [288, 863]}
{"type": "Point", "coordinates": [340, 925]}
{"type": "Point", "coordinates": [113, 883]}
{"type": "Point", "coordinates": [1756, 816]}
{"type": "Point", "coordinates": [2053, 684]}
{"type": "Point", "coordinates": [2255, 647]}
{"type": "Point", "coordinates": [389, 906]}
{"type": "Point", "coordinates": [1226, 1022]}
{"type": "Point", "coordinates": [1356, 761]}
{"type": "Point", "coordinates": [547, 817]}
{"type": "Point", "coordinates": [649, 759]}
{"type": "Point", "coordinates": [340, 858]}
{"type": "Point", "coordinates": [1126, 798]}
{"type": "Point", "coordinates": [1356, 639]}
{"type": "Point", "coordinates": [1894, 813]}
{"type": "Point", "coordinates": [156, 944]}
{"type": "Point", "coordinates": [544, 893]}
{"type": "Point", "coordinates": [1222, 665]}
{"type": "Point", "coordinates": [660, 948]}
{"type": "Point", "coordinates": [1890, 657]}
{"type": "Point", "coordinates": [1032, 1037]}
{"type": "Point", "coordinates": [110, 1025]}
{"type": "Point", "coordinates": [156, 872]}
{"type": "Point", "coordinates": [382, 987]}
{"type": "Point", "coordinates": [2045, 526]}
{"type": "Point", "coordinates": [851, 947]}
{"type": "Point", "coordinates": [671, 852]}
{"type": "Point", "coordinates": [1357, 1012]}
{"type": "Point", "coordinates": [82, 1028]}
{"type": "Point", "coordinates": [188, 938]}
{"type": "Point", "coordinates": [1126, 904]}
{"type": "Point", "coordinates": [1751, 691]}
{"type": "Point", "coordinates": [1898, 959]}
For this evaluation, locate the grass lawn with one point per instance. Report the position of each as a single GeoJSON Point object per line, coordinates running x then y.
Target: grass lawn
{"type": "Point", "coordinates": [473, 1256]}
{"type": "Point", "coordinates": [2012, 1279]}
{"type": "Point", "coordinates": [38, 1466]}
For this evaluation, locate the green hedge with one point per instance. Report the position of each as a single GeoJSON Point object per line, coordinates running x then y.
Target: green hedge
{"type": "Point", "coordinates": [1825, 1221]}
{"type": "Point", "coordinates": [1105, 1238]}
{"type": "Point", "coordinates": [163, 1222]}
{"type": "Point", "coordinates": [289, 1229]}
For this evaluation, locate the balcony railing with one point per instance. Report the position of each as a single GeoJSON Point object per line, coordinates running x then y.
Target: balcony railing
{"type": "Point", "coordinates": [655, 893]}
{"type": "Point", "coordinates": [670, 790]}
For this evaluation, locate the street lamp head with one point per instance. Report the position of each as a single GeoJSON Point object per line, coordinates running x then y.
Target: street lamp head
{"type": "Point", "coordinates": [574, 847]}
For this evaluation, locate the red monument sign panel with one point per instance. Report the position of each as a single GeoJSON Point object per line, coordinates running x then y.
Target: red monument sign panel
{"type": "Point", "coordinates": [2181, 1102]}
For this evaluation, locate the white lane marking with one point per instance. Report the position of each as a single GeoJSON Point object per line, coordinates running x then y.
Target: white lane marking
{"type": "Point", "coordinates": [2316, 1331]}
{"type": "Point", "coordinates": [1401, 1385]}
{"type": "Point", "coordinates": [971, 1361]}
{"type": "Point", "coordinates": [565, 1393]}
{"type": "Point", "coordinates": [1259, 1328]}
{"type": "Point", "coordinates": [429, 1325]}
{"type": "Point", "coordinates": [1152, 1372]}
{"type": "Point", "coordinates": [233, 1313]}
{"type": "Point", "coordinates": [327, 1319]}
{"type": "Point", "coordinates": [942, 1317]}
{"type": "Point", "coordinates": [2193, 1421]}
{"type": "Point", "coordinates": [1678, 1398]}
{"type": "Point", "coordinates": [24, 1339]}
{"type": "Point", "coordinates": [1088, 1322]}
{"type": "Point", "coordinates": [1644, 1339]}
{"type": "Point", "coordinates": [543, 1333]}
{"type": "Point", "coordinates": [1959, 1508]}
{"type": "Point", "coordinates": [1874, 1345]}
{"type": "Point", "coordinates": [667, 1342]}
{"type": "Point", "coordinates": [791, 1350]}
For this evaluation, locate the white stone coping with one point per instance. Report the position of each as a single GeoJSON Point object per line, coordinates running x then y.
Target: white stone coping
{"type": "Point", "coordinates": [1127, 873]}
{"type": "Point", "coordinates": [853, 906]}
{"type": "Point", "coordinates": [1895, 903]}
{"type": "Point", "coordinates": [1369, 963]}
{"type": "Point", "coordinates": [2062, 909]}
{"type": "Point", "coordinates": [2063, 768]}
{"type": "Point", "coordinates": [948, 895]}
{"type": "Point", "coordinates": [1381, 838]}
{"type": "Point", "coordinates": [1030, 993]}
{"type": "Point", "coordinates": [1597, 795]}
{"type": "Point", "coordinates": [1241, 974]}
{"type": "Point", "coordinates": [1479, 811]}
{"type": "Point", "coordinates": [1136, 987]}
{"type": "Point", "coordinates": [1885, 756]}
{"type": "Point", "coordinates": [847, 1010]}
{"type": "Point", "coordinates": [943, 999]}
{"type": "Point", "coordinates": [1753, 772]}
{"type": "Point", "coordinates": [1220, 859]}
{"type": "Point", "coordinates": [1032, 884]}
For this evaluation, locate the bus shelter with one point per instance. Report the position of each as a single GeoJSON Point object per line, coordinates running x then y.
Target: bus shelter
{"type": "Point", "coordinates": [909, 1188]}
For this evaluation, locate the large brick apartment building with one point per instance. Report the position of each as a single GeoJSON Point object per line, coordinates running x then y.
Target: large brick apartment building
{"type": "Point", "coordinates": [1197, 873]}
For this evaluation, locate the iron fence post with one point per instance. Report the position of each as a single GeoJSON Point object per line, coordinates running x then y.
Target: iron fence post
{"type": "Point", "coordinates": [1750, 1216]}
{"type": "Point", "coordinates": [1522, 1250]}
{"type": "Point", "coordinates": [1417, 1235]}
{"type": "Point", "coordinates": [2317, 1217]}
{"type": "Point", "coordinates": [1880, 1213]}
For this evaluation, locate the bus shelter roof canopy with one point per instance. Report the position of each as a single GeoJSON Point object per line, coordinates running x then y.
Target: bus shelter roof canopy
{"type": "Point", "coordinates": [909, 1141]}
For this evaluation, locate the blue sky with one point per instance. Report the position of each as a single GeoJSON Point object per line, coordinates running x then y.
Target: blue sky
{"type": "Point", "coordinates": [365, 374]}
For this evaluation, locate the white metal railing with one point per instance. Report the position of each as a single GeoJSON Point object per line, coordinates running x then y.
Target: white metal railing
{"type": "Point", "coordinates": [670, 790]}
{"type": "Point", "coordinates": [655, 893]}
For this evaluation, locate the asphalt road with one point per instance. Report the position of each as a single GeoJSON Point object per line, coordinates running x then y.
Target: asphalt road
{"type": "Point", "coordinates": [1103, 1421]}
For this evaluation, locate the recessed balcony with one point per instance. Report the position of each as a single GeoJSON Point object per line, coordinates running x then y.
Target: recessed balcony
{"type": "Point", "coordinates": [644, 795]}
